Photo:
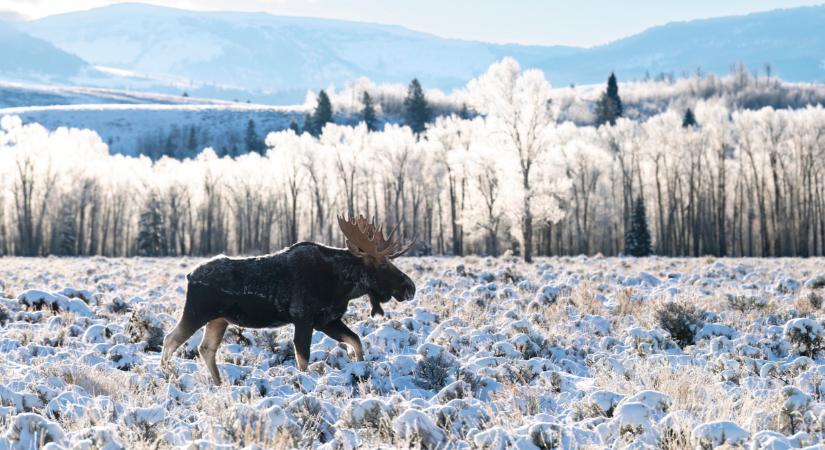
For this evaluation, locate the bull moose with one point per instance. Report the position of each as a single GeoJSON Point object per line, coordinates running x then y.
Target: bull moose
{"type": "Point", "coordinates": [308, 285]}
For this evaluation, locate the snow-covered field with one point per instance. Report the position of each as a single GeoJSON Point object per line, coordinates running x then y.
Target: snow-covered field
{"type": "Point", "coordinates": [492, 353]}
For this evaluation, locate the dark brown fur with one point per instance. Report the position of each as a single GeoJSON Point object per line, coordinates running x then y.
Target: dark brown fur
{"type": "Point", "coordinates": [307, 285]}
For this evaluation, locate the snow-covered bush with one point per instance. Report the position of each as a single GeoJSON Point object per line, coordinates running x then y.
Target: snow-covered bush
{"type": "Point", "coordinates": [681, 320]}
{"type": "Point", "coordinates": [146, 327]}
{"type": "Point", "coordinates": [806, 335]}
{"type": "Point", "coordinates": [416, 429]}
{"type": "Point", "coordinates": [713, 434]}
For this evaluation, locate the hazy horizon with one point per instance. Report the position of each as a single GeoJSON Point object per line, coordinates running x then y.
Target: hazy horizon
{"type": "Point", "coordinates": [587, 23]}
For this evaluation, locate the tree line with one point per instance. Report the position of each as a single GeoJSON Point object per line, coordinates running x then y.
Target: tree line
{"type": "Point", "coordinates": [703, 180]}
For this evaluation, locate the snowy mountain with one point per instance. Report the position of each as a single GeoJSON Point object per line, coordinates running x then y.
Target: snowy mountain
{"type": "Point", "coordinates": [266, 53]}
{"type": "Point", "coordinates": [269, 58]}
{"type": "Point", "coordinates": [30, 58]}
{"type": "Point", "coordinates": [790, 40]}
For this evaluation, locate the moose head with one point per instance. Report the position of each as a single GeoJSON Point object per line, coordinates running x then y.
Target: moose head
{"type": "Point", "coordinates": [366, 241]}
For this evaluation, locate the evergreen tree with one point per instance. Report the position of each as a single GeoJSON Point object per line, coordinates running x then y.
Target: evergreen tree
{"type": "Point", "coordinates": [689, 120]}
{"type": "Point", "coordinates": [368, 112]}
{"type": "Point", "coordinates": [152, 229]}
{"type": "Point", "coordinates": [251, 140]}
{"type": "Point", "coordinates": [293, 125]}
{"type": "Point", "coordinates": [417, 112]}
{"type": "Point", "coordinates": [637, 238]}
{"type": "Point", "coordinates": [609, 106]}
{"type": "Point", "coordinates": [192, 143]}
{"type": "Point", "coordinates": [322, 114]}
{"type": "Point", "coordinates": [464, 113]}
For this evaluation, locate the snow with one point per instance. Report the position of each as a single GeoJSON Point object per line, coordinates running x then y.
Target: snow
{"type": "Point", "coordinates": [441, 370]}
{"type": "Point", "coordinates": [717, 433]}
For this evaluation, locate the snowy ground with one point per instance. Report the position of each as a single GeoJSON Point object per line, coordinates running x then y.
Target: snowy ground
{"type": "Point", "coordinates": [492, 353]}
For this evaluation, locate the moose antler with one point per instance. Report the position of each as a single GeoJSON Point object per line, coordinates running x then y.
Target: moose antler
{"type": "Point", "coordinates": [367, 238]}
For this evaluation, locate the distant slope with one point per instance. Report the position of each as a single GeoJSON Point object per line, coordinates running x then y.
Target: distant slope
{"type": "Point", "coordinates": [27, 57]}
{"type": "Point", "coordinates": [262, 52]}
{"type": "Point", "coordinates": [154, 129]}
{"type": "Point", "coordinates": [14, 95]}
{"type": "Point", "coordinates": [792, 41]}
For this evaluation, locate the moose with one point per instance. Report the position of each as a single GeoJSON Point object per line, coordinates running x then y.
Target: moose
{"type": "Point", "coordinates": [308, 285]}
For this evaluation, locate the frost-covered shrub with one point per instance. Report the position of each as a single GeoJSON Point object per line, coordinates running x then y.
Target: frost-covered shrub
{"type": "Point", "coordinates": [100, 437]}
{"type": "Point", "coordinates": [55, 302]}
{"type": "Point", "coordinates": [29, 430]}
{"type": "Point", "coordinates": [417, 430]}
{"type": "Point", "coordinates": [118, 306]}
{"type": "Point", "coordinates": [745, 303]}
{"type": "Point", "coordinates": [495, 438]}
{"type": "Point", "coordinates": [633, 417]}
{"type": "Point", "coordinates": [809, 301]}
{"type": "Point", "coordinates": [794, 405]}
{"type": "Point", "coordinates": [432, 372]}
{"type": "Point", "coordinates": [545, 435]}
{"type": "Point", "coordinates": [713, 434]}
{"type": "Point", "coordinates": [271, 427]}
{"type": "Point", "coordinates": [817, 282]}
{"type": "Point", "coordinates": [806, 335]}
{"type": "Point", "coordinates": [681, 320]}
{"type": "Point", "coordinates": [146, 327]}
{"type": "Point", "coordinates": [5, 315]}
{"type": "Point", "coordinates": [369, 413]}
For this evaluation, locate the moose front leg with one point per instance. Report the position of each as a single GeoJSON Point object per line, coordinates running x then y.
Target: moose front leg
{"type": "Point", "coordinates": [341, 333]}
{"type": "Point", "coordinates": [302, 341]}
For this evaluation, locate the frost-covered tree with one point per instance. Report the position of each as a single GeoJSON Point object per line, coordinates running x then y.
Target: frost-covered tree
{"type": "Point", "coordinates": [417, 112]}
{"type": "Point", "coordinates": [151, 238]}
{"type": "Point", "coordinates": [520, 119]}
{"type": "Point", "coordinates": [637, 238]}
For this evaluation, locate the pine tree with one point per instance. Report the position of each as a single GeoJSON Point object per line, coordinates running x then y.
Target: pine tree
{"type": "Point", "coordinates": [464, 112]}
{"type": "Point", "coordinates": [637, 238]}
{"type": "Point", "coordinates": [293, 125]}
{"type": "Point", "coordinates": [251, 140]}
{"type": "Point", "coordinates": [322, 114]}
{"type": "Point", "coordinates": [689, 120]}
{"type": "Point", "coordinates": [417, 111]}
{"type": "Point", "coordinates": [368, 112]}
{"type": "Point", "coordinates": [609, 106]}
{"type": "Point", "coordinates": [192, 143]}
{"type": "Point", "coordinates": [152, 230]}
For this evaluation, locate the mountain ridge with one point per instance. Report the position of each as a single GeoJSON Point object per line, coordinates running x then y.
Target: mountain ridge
{"type": "Point", "coordinates": [261, 56]}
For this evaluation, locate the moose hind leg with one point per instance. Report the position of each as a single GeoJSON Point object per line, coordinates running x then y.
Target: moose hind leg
{"type": "Point", "coordinates": [183, 331]}
{"type": "Point", "coordinates": [341, 333]}
{"type": "Point", "coordinates": [212, 338]}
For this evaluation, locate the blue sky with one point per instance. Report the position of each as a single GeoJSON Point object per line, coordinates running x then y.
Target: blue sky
{"type": "Point", "coordinates": [576, 22]}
